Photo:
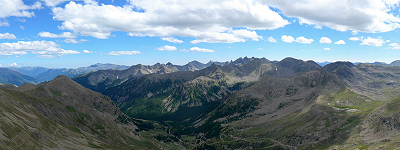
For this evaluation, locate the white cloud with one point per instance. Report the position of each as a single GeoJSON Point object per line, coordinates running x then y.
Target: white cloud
{"type": "Point", "coordinates": [301, 39]}
{"type": "Point", "coordinates": [356, 38]}
{"type": "Point", "coordinates": [325, 40]}
{"type": "Point", "coordinates": [287, 39]}
{"type": "Point", "coordinates": [373, 41]}
{"type": "Point", "coordinates": [365, 16]}
{"type": "Point", "coordinates": [207, 21]}
{"type": "Point", "coordinates": [71, 41]}
{"type": "Point", "coordinates": [196, 49]}
{"type": "Point", "coordinates": [22, 27]}
{"type": "Point", "coordinates": [395, 46]}
{"type": "Point", "coordinates": [230, 37]}
{"type": "Point", "coordinates": [304, 40]}
{"type": "Point", "coordinates": [172, 40]}
{"type": "Point", "coordinates": [124, 53]}
{"type": "Point", "coordinates": [17, 8]}
{"type": "Point", "coordinates": [166, 48]}
{"type": "Point", "coordinates": [68, 40]}
{"type": "Point", "coordinates": [52, 35]}
{"type": "Point", "coordinates": [14, 65]}
{"type": "Point", "coordinates": [4, 24]}
{"type": "Point", "coordinates": [7, 36]}
{"type": "Point", "coordinates": [272, 40]}
{"type": "Point", "coordinates": [260, 49]}
{"type": "Point", "coordinates": [46, 56]}
{"type": "Point", "coordinates": [34, 47]}
{"type": "Point", "coordinates": [340, 42]}
{"type": "Point", "coordinates": [86, 51]}
{"type": "Point", "coordinates": [327, 49]}
{"type": "Point", "coordinates": [53, 3]}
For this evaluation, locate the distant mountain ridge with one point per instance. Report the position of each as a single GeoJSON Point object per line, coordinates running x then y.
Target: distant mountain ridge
{"type": "Point", "coordinates": [46, 74]}
{"type": "Point", "coordinates": [8, 76]}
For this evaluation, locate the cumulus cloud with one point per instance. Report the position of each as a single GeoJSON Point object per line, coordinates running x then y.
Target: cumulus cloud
{"type": "Point", "coordinates": [303, 40]}
{"type": "Point", "coordinates": [365, 16]}
{"type": "Point", "coordinates": [395, 46]}
{"type": "Point", "coordinates": [172, 40]}
{"type": "Point", "coordinates": [124, 53]}
{"type": "Point", "coordinates": [325, 40]}
{"type": "Point", "coordinates": [327, 49]}
{"type": "Point", "coordinates": [287, 39]}
{"type": "Point", "coordinates": [52, 35]}
{"type": "Point", "coordinates": [340, 42]}
{"type": "Point", "coordinates": [33, 47]}
{"type": "Point", "coordinates": [207, 21]}
{"type": "Point", "coordinates": [196, 49]}
{"type": "Point", "coordinates": [86, 51]}
{"type": "Point", "coordinates": [230, 37]}
{"type": "Point", "coordinates": [7, 36]}
{"type": "Point", "coordinates": [166, 48]}
{"type": "Point", "coordinates": [373, 41]}
{"type": "Point", "coordinates": [53, 3]}
{"type": "Point", "coordinates": [272, 40]}
{"type": "Point", "coordinates": [17, 8]}
{"type": "Point", "coordinates": [356, 38]}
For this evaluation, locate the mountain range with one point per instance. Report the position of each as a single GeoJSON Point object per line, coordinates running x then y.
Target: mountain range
{"type": "Point", "coordinates": [248, 103]}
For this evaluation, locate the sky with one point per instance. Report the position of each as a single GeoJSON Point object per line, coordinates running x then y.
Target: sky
{"type": "Point", "coordinates": [72, 34]}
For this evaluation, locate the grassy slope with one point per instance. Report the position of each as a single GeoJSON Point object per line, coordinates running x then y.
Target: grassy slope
{"type": "Point", "coordinates": [92, 123]}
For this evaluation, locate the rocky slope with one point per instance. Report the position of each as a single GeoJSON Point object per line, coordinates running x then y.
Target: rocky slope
{"type": "Point", "coordinates": [375, 81]}
{"type": "Point", "coordinates": [312, 110]}
{"type": "Point", "coordinates": [62, 114]}
{"type": "Point", "coordinates": [182, 97]}
{"type": "Point", "coordinates": [341, 106]}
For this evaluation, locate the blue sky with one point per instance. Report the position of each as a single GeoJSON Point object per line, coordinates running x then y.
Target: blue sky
{"type": "Point", "coordinates": [71, 34]}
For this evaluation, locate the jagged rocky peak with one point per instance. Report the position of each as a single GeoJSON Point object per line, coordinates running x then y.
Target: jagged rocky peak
{"type": "Point", "coordinates": [169, 64]}
{"type": "Point", "coordinates": [157, 65]}
{"type": "Point", "coordinates": [241, 61]}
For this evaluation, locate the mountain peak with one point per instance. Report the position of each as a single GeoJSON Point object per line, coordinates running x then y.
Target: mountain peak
{"type": "Point", "coordinates": [333, 66]}
{"type": "Point", "coordinates": [169, 64]}
{"type": "Point", "coordinates": [61, 77]}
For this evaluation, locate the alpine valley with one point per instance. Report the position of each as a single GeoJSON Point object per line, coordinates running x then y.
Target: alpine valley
{"type": "Point", "coordinates": [248, 103]}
